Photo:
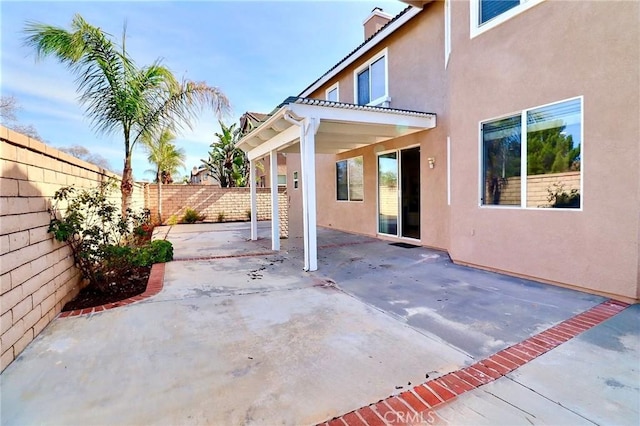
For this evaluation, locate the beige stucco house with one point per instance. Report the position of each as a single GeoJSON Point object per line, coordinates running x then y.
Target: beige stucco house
{"type": "Point", "coordinates": [504, 132]}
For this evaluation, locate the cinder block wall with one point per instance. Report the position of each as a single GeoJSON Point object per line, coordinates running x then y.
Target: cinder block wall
{"type": "Point", "coordinates": [211, 201]}
{"type": "Point", "coordinates": [37, 274]}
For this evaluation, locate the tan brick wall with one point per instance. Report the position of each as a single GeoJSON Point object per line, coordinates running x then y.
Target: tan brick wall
{"type": "Point", "coordinates": [37, 274]}
{"type": "Point", "coordinates": [537, 188]}
{"type": "Point", "coordinates": [211, 201]}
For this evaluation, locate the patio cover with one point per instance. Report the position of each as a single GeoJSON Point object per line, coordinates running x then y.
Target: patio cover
{"type": "Point", "coordinates": [309, 126]}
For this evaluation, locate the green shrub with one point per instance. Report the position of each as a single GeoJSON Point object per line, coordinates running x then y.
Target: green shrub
{"type": "Point", "coordinates": [161, 251]}
{"type": "Point", "coordinates": [173, 220]}
{"type": "Point", "coordinates": [221, 216]}
{"type": "Point", "coordinates": [192, 216]}
{"type": "Point", "coordinates": [101, 239]}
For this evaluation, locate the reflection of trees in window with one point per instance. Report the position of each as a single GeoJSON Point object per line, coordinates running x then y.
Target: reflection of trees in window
{"type": "Point", "coordinates": [551, 150]}
{"type": "Point", "coordinates": [501, 149]}
{"type": "Point", "coordinates": [349, 179]}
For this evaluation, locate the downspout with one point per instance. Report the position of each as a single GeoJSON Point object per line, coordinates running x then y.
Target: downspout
{"type": "Point", "coordinates": [305, 195]}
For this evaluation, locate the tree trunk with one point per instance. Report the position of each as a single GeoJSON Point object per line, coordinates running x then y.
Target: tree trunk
{"type": "Point", "coordinates": [159, 198]}
{"type": "Point", "coordinates": [126, 187]}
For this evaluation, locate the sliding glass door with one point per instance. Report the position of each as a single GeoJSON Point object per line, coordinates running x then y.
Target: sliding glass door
{"type": "Point", "coordinates": [388, 193]}
{"type": "Point", "coordinates": [399, 193]}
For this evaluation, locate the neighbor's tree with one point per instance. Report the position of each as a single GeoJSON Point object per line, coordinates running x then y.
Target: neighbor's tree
{"type": "Point", "coordinates": [84, 154]}
{"type": "Point", "coordinates": [166, 158]}
{"type": "Point", "coordinates": [119, 96]}
{"type": "Point", "coordinates": [228, 163]}
{"type": "Point", "coordinates": [9, 107]}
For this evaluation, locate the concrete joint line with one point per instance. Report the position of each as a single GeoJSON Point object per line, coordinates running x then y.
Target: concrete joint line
{"type": "Point", "coordinates": [542, 396]}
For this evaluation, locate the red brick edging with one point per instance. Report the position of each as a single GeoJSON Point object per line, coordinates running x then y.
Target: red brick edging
{"type": "Point", "coordinates": [154, 285]}
{"type": "Point", "coordinates": [417, 405]}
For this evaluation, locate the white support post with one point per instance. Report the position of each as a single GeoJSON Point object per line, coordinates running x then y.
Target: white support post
{"type": "Point", "coordinates": [254, 204]}
{"type": "Point", "coordinates": [310, 141]}
{"type": "Point", "coordinates": [308, 169]}
{"type": "Point", "coordinates": [275, 216]}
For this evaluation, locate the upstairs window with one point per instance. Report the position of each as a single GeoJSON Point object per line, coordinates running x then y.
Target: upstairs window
{"type": "Point", "coordinates": [489, 9]}
{"type": "Point", "coordinates": [332, 93]}
{"type": "Point", "coordinates": [371, 81]}
{"type": "Point", "coordinates": [534, 159]}
{"type": "Point", "coordinates": [349, 180]}
{"type": "Point", "coordinates": [486, 14]}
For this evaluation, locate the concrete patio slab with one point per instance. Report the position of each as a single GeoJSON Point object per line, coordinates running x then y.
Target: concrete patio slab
{"type": "Point", "coordinates": [479, 312]}
{"type": "Point", "coordinates": [241, 335]}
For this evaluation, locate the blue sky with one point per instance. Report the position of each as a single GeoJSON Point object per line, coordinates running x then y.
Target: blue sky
{"type": "Point", "coordinates": [258, 53]}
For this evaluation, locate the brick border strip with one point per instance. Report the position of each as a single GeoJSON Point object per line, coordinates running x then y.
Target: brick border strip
{"type": "Point", "coordinates": [413, 405]}
{"type": "Point", "coordinates": [154, 285]}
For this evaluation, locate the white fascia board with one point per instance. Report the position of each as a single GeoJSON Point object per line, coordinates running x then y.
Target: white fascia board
{"type": "Point", "coordinates": [277, 142]}
{"type": "Point", "coordinates": [362, 116]}
{"type": "Point", "coordinates": [380, 36]}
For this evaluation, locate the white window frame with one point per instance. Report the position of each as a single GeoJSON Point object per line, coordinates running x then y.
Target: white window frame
{"type": "Point", "coordinates": [382, 100]}
{"type": "Point", "coordinates": [335, 87]}
{"type": "Point", "coordinates": [349, 200]}
{"type": "Point", "coordinates": [523, 159]}
{"type": "Point", "coordinates": [447, 31]}
{"type": "Point", "coordinates": [475, 28]}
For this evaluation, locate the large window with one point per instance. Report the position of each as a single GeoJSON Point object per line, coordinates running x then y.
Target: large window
{"type": "Point", "coordinates": [371, 81]}
{"type": "Point", "coordinates": [486, 14]}
{"type": "Point", "coordinates": [349, 180]}
{"type": "Point", "coordinates": [533, 159]}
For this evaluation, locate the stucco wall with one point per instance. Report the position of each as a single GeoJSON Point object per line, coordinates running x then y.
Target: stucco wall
{"type": "Point", "coordinates": [551, 52]}
{"type": "Point", "coordinates": [417, 81]}
{"type": "Point", "coordinates": [37, 274]}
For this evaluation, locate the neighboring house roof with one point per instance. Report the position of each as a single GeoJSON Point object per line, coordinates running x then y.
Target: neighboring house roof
{"type": "Point", "coordinates": [250, 120]}
{"type": "Point", "coordinates": [400, 19]}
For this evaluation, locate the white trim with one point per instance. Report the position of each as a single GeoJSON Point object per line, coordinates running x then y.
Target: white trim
{"type": "Point", "coordinates": [447, 31]}
{"type": "Point", "coordinates": [384, 98]}
{"type": "Point", "coordinates": [523, 158]}
{"type": "Point", "coordinates": [373, 42]}
{"type": "Point", "coordinates": [331, 88]}
{"type": "Point", "coordinates": [448, 171]}
{"type": "Point", "coordinates": [475, 28]}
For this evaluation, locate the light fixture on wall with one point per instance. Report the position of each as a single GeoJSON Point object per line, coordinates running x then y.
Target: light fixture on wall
{"type": "Point", "coordinates": [432, 162]}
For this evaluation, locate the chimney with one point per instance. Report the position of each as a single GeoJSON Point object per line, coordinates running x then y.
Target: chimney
{"type": "Point", "coordinates": [376, 20]}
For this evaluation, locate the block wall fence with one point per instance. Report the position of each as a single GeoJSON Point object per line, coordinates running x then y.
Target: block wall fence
{"type": "Point", "coordinates": [211, 201]}
{"type": "Point", "coordinates": [37, 274]}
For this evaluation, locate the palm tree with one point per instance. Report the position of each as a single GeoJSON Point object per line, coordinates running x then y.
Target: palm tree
{"type": "Point", "coordinates": [166, 158]}
{"type": "Point", "coordinates": [226, 161]}
{"type": "Point", "coordinates": [118, 96]}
